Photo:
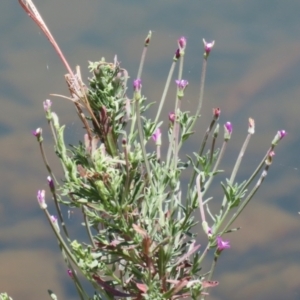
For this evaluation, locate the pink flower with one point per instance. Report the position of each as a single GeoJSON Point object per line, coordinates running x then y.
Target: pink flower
{"type": "Point", "coordinates": [221, 245]}
{"type": "Point", "coordinates": [181, 84]}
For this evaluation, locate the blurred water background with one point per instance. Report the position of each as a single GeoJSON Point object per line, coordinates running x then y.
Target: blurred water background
{"type": "Point", "coordinates": [253, 71]}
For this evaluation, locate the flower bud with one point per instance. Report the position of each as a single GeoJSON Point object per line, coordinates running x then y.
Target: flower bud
{"type": "Point", "coordinates": [177, 55]}
{"type": "Point", "coordinates": [181, 85]}
{"type": "Point", "coordinates": [251, 126]}
{"type": "Point", "coordinates": [172, 117]}
{"type": "Point", "coordinates": [41, 199]}
{"type": "Point", "coordinates": [228, 131]}
{"type": "Point", "coordinates": [47, 105]}
{"type": "Point", "coordinates": [55, 222]}
{"type": "Point", "coordinates": [216, 113]}
{"type": "Point", "coordinates": [51, 183]}
{"type": "Point", "coordinates": [137, 86]}
{"type": "Point", "coordinates": [148, 38]}
{"type": "Point", "coordinates": [157, 137]}
{"type": "Point", "coordinates": [207, 47]}
{"type": "Point", "coordinates": [278, 137]}
{"type": "Point", "coordinates": [182, 45]}
{"type": "Point", "coordinates": [38, 134]}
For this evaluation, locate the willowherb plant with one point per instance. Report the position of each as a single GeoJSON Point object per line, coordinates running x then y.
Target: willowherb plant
{"type": "Point", "coordinates": [137, 216]}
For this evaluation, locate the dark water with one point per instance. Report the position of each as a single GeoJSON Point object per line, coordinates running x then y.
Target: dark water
{"type": "Point", "coordinates": [253, 72]}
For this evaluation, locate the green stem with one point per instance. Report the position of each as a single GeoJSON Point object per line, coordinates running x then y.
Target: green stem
{"type": "Point", "coordinates": [163, 98]}
{"type": "Point", "coordinates": [139, 75]}
{"type": "Point", "coordinates": [88, 229]}
{"type": "Point", "coordinates": [176, 132]}
{"type": "Point", "coordinates": [259, 167]}
{"type": "Point", "coordinates": [247, 200]}
{"type": "Point", "coordinates": [46, 161]}
{"type": "Point", "coordinates": [202, 82]}
{"type": "Point", "coordinates": [177, 111]}
{"type": "Point", "coordinates": [211, 176]}
{"type": "Point", "coordinates": [141, 136]}
{"type": "Point", "coordinates": [60, 213]}
{"type": "Point", "coordinates": [238, 163]}
{"type": "Point", "coordinates": [200, 199]}
{"type": "Point", "coordinates": [210, 273]}
{"type": "Point", "coordinates": [60, 239]}
{"type": "Point", "coordinates": [202, 146]}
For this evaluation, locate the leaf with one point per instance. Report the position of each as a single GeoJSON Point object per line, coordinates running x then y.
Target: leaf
{"type": "Point", "coordinates": [139, 230]}
{"type": "Point", "coordinates": [209, 283]}
{"type": "Point", "coordinates": [185, 256]}
{"type": "Point", "coordinates": [142, 287]}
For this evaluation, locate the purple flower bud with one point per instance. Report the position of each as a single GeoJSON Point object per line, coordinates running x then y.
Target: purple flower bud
{"type": "Point", "coordinates": [228, 131]}
{"type": "Point", "coordinates": [41, 199]}
{"type": "Point", "coordinates": [157, 137]}
{"type": "Point", "coordinates": [51, 183]}
{"type": "Point", "coordinates": [228, 126]}
{"type": "Point", "coordinates": [47, 104]}
{"type": "Point", "coordinates": [221, 245]}
{"type": "Point", "coordinates": [209, 232]}
{"type": "Point", "coordinates": [216, 113]}
{"type": "Point", "coordinates": [278, 137]}
{"type": "Point", "coordinates": [37, 133]}
{"type": "Point", "coordinates": [172, 117]}
{"type": "Point", "coordinates": [207, 47]}
{"type": "Point", "coordinates": [137, 85]}
{"type": "Point", "coordinates": [282, 134]}
{"type": "Point", "coordinates": [182, 43]}
{"type": "Point", "coordinates": [70, 273]}
{"type": "Point", "coordinates": [177, 54]}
